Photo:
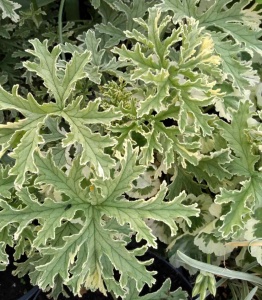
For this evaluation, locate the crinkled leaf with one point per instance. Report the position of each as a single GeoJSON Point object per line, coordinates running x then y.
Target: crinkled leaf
{"type": "Point", "coordinates": [237, 137]}
{"type": "Point", "coordinates": [8, 7]}
{"type": "Point", "coordinates": [93, 239]}
{"type": "Point", "coordinates": [93, 143]}
{"type": "Point", "coordinates": [23, 135]}
{"type": "Point", "coordinates": [242, 164]}
{"type": "Point", "coordinates": [59, 85]}
{"type": "Point", "coordinates": [156, 66]}
{"type": "Point", "coordinates": [236, 22]}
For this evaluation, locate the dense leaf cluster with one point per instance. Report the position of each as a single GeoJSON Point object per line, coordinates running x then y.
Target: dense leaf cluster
{"type": "Point", "coordinates": [145, 122]}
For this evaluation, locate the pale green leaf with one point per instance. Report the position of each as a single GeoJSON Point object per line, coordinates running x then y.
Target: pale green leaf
{"type": "Point", "coordinates": [241, 71]}
{"type": "Point", "coordinates": [190, 107]}
{"type": "Point", "coordinates": [237, 137]}
{"type": "Point", "coordinates": [122, 181]}
{"type": "Point", "coordinates": [58, 86]}
{"type": "Point", "coordinates": [56, 133]}
{"type": "Point", "coordinates": [92, 143]}
{"type": "Point", "coordinates": [63, 253]}
{"type": "Point", "coordinates": [180, 148]}
{"type": "Point", "coordinates": [5, 239]}
{"type": "Point", "coordinates": [60, 155]}
{"type": "Point", "coordinates": [92, 45]}
{"type": "Point", "coordinates": [24, 155]}
{"type": "Point", "coordinates": [135, 9]}
{"type": "Point", "coordinates": [213, 164]}
{"type": "Point", "coordinates": [8, 7]}
{"type": "Point", "coordinates": [160, 79]}
{"type": "Point", "coordinates": [153, 57]}
{"type": "Point", "coordinates": [239, 210]}
{"type": "Point", "coordinates": [155, 208]}
{"type": "Point", "coordinates": [146, 185]}
{"type": "Point", "coordinates": [23, 133]}
{"type": "Point", "coordinates": [235, 22]}
{"type": "Point", "coordinates": [251, 294]}
{"type": "Point", "coordinates": [69, 185]}
{"type": "Point", "coordinates": [151, 145]}
{"type": "Point", "coordinates": [220, 271]}
{"type": "Point", "coordinates": [6, 181]}
{"type": "Point", "coordinates": [205, 281]}
{"type": "Point", "coordinates": [125, 131]}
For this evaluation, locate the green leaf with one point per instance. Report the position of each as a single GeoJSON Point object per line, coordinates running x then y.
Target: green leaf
{"type": "Point", "coordinates": [171, 136]}
{"type": "Point", "coordinates": [8, 7]}
{"type": "Point", "coordinates": [154, 101]}
{"type": "Point", "coordinates": [151, 145]}
{"type": "Point", "coordinates": [182, 180]}
{"type": "Point", "coordinates": [93, 143]}
{"type": "Point", "coordinates": [6, 181]}
{"type": "Point", "coordinates": [254, 290]}
{"type": "Point", "coordinates": [23, 136]}
{"type": "Point", "coordinates": [116, 34]}
{"type": "Point", "coordinates": [237, 23]}
{"type": "Point", "coordinates": [211, 169]}
{"type": "Point", "coordinates": [220, 271]}
{"type": "Point", "coordinates": [92, 45]}
{"type": "Point", "coordinates": [205, 281]}
{"type": "Point", "coordinates": [56, 133]}
{"type": "Point", "coordinates": [157, 66]}
{"type": "Point", "coordinates": [162, 293]}
{"type": "Point", "coordinates": [213, 164]}
{"type": "Point", "coordinates": [239, 208]}
{"type": "Point", "coordinates": [237, 138]}
{"type": "Point", "coordinates": [242, 164]}
{"type": "Point", "coordinates": [26, 130]}
{"type": "Point", "coordinates": [122, 181]}
{"type": "Point", "coordinates": [93, 239]}
{"type": "Point", "coordinates": [58, 86]}
{"type": "Point", "coordinates": [60, 155]}
{"type": "Point", "coordinates": [5, 239]}
{"type": "Point", "coordinates": [241, 71]}
{"type": "Point", "coordinates": [119, 16]}
{"type": "Point", "coordinates": [180, 8]}
{"type": "Point", "coordinates": [155, 208]}
{"type": "Point", "coordinates": [230, 22]}
{"type": "Point", "coordinates": [190, 107]}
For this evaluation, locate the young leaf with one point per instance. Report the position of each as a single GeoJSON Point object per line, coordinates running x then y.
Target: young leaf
{"type": "Point", "coordinates": [235, 22]}
{"type": "Point", "coordinates": [157, 66]}
{"type": "Point", "coordinates": [205, 281]}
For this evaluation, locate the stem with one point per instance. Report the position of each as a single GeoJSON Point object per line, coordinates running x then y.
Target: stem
{"type": "Point", "coordinates": [35, 6]}
{"type": "Point", "coordinates": [245, 244]}
{"type": "Point", "coordinates": [60, 25]}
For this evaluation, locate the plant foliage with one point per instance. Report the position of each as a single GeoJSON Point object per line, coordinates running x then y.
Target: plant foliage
{"type": "Point", "coordinates": [142, 124]}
